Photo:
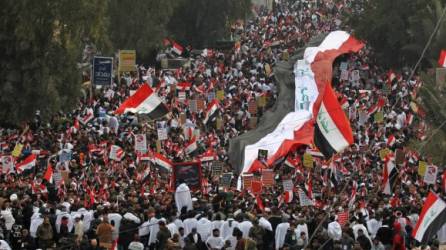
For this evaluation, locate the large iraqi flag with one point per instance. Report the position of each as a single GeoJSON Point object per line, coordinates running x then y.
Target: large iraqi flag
{"type": "Point", "coordinates": [144, 101]}
{"type": "Point", "coordinates": [432, 218]}
{"type": "Point", "coordinates": [332, 132]}
{"type": "Point", "coordinates": [313, 73]}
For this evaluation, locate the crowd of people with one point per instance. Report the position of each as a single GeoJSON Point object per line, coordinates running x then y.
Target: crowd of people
{"type": "Point", "coordinates": [98, 203]}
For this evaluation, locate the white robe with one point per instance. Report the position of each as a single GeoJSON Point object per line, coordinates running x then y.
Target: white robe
{"type": "Point", "coordinates": [245, 226]}
{"type": "Point", "coordinates": [154, 229]}
{"type": "Point", "coordinates": [189, 224]}
{"type": "Point", "coordinates": [116, 218]}
{"type": "Point", "coordinates": [301, 228]}
{"type": "Point", "coordinates": [144, 229]}
{"type": "Point", "coordinates": [36, 221]}
{"type": "Point", "coordinates": [227, 227]}
{"type": "Point", "coordinates": [358, 227]}
{"type": "Point", "coordinates": [172, 228]}
{"type": "Point", "coordinates": [372, 226]}
{"type": "Point", "coordinates": [216, 224]}
{"type": "Point", "coordinates": [280, 234]}
{"type": "Point", "coordinates": [334, 230]}
{"type": "Point", "coordinates": [88, 217]}
{"type": "Point", "coordinates": [265, 224]}
{"type": "Point", "coordinates": [204, 228]}
{"type": "Point", "coordinates": [183, 197]}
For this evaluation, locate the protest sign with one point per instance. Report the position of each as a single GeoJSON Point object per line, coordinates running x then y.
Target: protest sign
{"type": "Point", "coordinates": [268, 177]}
{"type": "Point", "coordinates": [17, 150]}
{"type": "Point", "coordinates": [116, 153]}
{"type": "Point", "coordinates": [363, 117]}
{"type": "Point", "coordinates": [200, 104]}
{"type": "Point", "coordinates": [252, 107]}
{"type": "Point", "coordinates": [268, 70]}
{"type": "Point", "coordinates": [430, 175]}
{"type": "Point", "coordinates": [308, 160]}
{"type": "Point", "coordinates": [127, 60]}
{"type": "Point", "coordinates": [7, 164]}
{"type": "Point", "coordinates": [211, 96]}
{"type": "Point", "coordinates": [261, 101]}
{"type": "Point", "coordinates": [262, 155]}
{"type": "Point", "coordinates": [247, 179]}
{"type": "Point", "coordinates": [343, 66]}
{"type": "Point", "coordinates": [217, 168]}
{"type": "Point", "coordinates": [189, 173]}
{"type": "Point", "coordinates": [102, 71]}
{"type": "Point", "coordinates": [182, 95]}
{"type": "Point", "coordinates": [355, 75]}
{"type": "Point", "coordinates": [287, 185]}
{"type": "Point", "coordinates": [220, 95]}
{"type": "Point", "coordinates": [158, 146]}
{"type": "Point", "coordinates": [226, 179]}
{"type": "Point", "coordinates": [383, 153]}
{"type": "Point", "coordinates": [422, 165]}
{"type": "Point", "coordinates": [64, 155]}
{"type": "Point", "coordinates": [256, 187]}
{"type": "Point", "coordinates": [399, 156]}
{"type": "Point", "coordinates": [161, 128]}
{"type": "Point", "coordinates": [193, 106]}
{"type": "Point", "coordinates": [140, 143]}
{"type": "Point", "coordinates": [344, 75]}
{"type": "Point", "coordinates": [378, 117]}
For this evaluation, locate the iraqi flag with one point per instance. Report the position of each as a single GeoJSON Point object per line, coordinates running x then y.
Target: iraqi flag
{"type": "Point", "coordinates": [391, 140]}
{"type": "Point", "coordinates": [48, 176]}
{"type": "Point", "coordinates": [442, 59]}
{"type": "Point", "coordinates": [27, 164]}
{"type": "Point", "coordinates": [332, 133]}
{"type": "Point", "coordinates": [144, 101]}
{"type": "Point", "coordinates": [390, 174]}
{"type": "Point", "coordinates": [89, 115]}
{"type": "Point", "coordinates": [288, 196]}
{"type": "Point", "coordinates": [184, 86]}
{"type": "Point", "coordinates": [161, 161]}
{"type": "Point", "coordinates": [177, 48]}
{"type": "Point", "coordinates": [211, 111]}
{"type": "Point", "coordinates": [191, 146]}
{"type": "Point", "coordinates": [432, 218]}
{"type": "Point", "coordinates": [116, 153]}
{"type": "Point", "coordinates": [209, 155]}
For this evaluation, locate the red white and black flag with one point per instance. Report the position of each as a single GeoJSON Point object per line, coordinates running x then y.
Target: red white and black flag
{"type": "Point", "coordinates": [332, 133]}
{"type": "Point", "coordinates": [211, 111]}
{"type": "Point", "coordinates": [432, 218]}
{"type": "Point", "coordinates": [144, 101]}
{"type": "Point", "coordinates": [390, 174]}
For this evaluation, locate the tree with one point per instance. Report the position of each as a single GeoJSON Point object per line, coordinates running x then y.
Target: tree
{"type": "Point", "coordinates": [40, 45]}
{"type": "Point", "coordinates": [201, 22]}
{"type": "Point", "coordinates": [139, 24]}
{"type": "Point", "coordinates": [385, 26]}
{"type": "Point", "coordinates": [422, 25]}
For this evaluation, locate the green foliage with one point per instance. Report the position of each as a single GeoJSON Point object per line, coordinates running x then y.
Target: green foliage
{"type": "Point", "coordinates": [40, 45]}
{"type": "Point", "coordinates": [431, 98]}
{"type": "Point", "coordinates": [202, 22]}
{"type": "Point", "coordinates": [399, 29]}
{"type": "Point", "coordinates": [139, 24]}
{"type": "Point", "coordinates": [42, 41]}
